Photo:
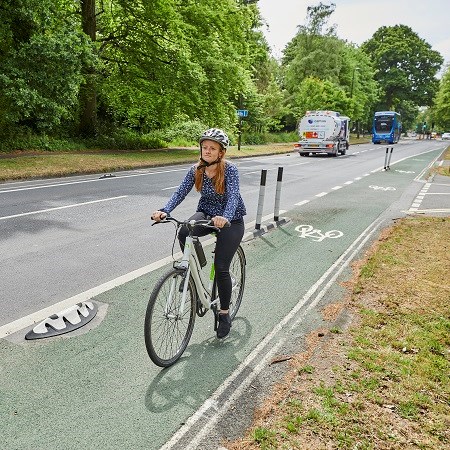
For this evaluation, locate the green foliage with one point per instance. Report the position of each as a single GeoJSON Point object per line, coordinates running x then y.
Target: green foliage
{"type": "Point", "coordinates": [314, 93]}
{"type": "Point", "coordinates": [160, 63]}
{"type": "Point", "coordinates": [442, 105]}
{"type": "Point", "coordinates": [120, 139]}
{"type": "Point", "coordinates": [40, 65]}
{"type": "Point", "coordinates": [406, 66]}
{"type": "Point", "coordinates": [163, 71]}
{"type": "Point", "coordinates": [188, 130]}
{"type": "Point", "coordinates": [265, 438]}
{"type": "Point", "coordinates": [322, 71]}
{"type": "Point", "coordinates": [126, 139]}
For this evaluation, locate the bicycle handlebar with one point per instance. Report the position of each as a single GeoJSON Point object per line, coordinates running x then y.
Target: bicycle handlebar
{"type": "Point", "coordinates": [206, 223]}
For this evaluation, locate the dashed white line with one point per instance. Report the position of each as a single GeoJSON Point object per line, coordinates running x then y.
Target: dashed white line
{"type": "Point", "coordinates": [321, 194]}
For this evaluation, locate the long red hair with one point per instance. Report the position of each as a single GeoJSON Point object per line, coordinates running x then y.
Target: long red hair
{"type": "Point", "coordinates": [218, 180]}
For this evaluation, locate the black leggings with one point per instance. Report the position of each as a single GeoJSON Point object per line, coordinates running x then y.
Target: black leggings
{"type": "Point", "coordinates": [228, 241]}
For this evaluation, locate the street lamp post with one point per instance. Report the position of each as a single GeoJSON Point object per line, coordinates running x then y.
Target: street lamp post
{"type": "Point", "coordinates": [351, 96]}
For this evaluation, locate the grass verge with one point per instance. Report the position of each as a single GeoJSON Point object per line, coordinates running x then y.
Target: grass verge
{"type": "Point", "coordinates": [383, 382]}
{"type": "Point", "coordinates": [41, 164]}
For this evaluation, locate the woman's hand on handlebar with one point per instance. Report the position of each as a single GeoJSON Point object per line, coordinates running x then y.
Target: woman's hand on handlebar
{"type": "Point", "coordinates": [157, 216]}
{"type": "Point", "coordinates": [220, 222]}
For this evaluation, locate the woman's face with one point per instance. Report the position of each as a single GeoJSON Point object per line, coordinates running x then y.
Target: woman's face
{"type": "Point", "coordinates": [211, 150]}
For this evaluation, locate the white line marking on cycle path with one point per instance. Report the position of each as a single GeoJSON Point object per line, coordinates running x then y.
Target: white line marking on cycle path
{"type": "Point", "coordinates": [62, 207]}
{"type": "Point", "coordinates": [20, 324]}
{"type": "Point", "coordinates": [208, 411]}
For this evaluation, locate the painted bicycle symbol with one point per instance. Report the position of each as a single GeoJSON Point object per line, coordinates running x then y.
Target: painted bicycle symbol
{"type": "Point", "coordinates": [381, 188]}
{"type": "Point", "coordinates": [317, 235]}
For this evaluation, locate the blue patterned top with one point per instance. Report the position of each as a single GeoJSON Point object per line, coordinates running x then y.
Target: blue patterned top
{"type": "Point", "coordinates": [229, 204]}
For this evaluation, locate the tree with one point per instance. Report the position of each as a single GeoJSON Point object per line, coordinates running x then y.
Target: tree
{"type": "Point", "coordinates": [41, 56]}
{"type": "Point", "coordinates": [88, 91]}
{"type": "Point", "coordinates": [160, 63]}
{"type": "Point", "coordinates": [339, 75]}
{"type": "Point", "coordinates": [441, 109]}
{"type": "Point", "coordinates": [406, 66]}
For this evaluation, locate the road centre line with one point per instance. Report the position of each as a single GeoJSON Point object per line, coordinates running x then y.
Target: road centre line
{"type": "Point", "coordinates": [208, 413]}
{"type": "Point", "coordinates": [44, 186]}
{"type": "Point", "coordinates": [20, 324]}
{"type": "Point", "coordinates": [62, 207]}
{"type": "Point", "coordinates": [275, 168]}
{"type": "Point", "coordinates": [303, 202]}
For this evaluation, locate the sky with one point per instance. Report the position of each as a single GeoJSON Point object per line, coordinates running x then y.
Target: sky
{"type": "Point", "coordinates": [357, 20]}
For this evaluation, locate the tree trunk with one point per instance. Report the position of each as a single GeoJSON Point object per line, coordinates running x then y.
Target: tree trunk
{"type": "Point", "coordinates": [88, 93]}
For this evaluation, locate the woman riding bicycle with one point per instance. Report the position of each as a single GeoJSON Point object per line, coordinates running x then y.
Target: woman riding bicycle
{"type": "Point", "coordinates": [217, 180]}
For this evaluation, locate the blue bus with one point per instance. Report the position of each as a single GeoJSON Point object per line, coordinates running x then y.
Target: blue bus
{"type": "Point", "coordinates": [387, 127]}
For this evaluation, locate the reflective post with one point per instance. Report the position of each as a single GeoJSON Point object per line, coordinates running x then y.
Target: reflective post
{"type": "Point", "coordinates": [276, 211]}
{"type": "Point", "coordinates": [389, 159]}
{"type": "Point", "coordinates": [262, 189]}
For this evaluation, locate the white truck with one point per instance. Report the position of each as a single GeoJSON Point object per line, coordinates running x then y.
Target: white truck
{"type": "Point", "coordinates": [323, 132]}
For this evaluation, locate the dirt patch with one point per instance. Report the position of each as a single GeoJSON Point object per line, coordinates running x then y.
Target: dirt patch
{"type": "Point", "coordinates": [380, 378]}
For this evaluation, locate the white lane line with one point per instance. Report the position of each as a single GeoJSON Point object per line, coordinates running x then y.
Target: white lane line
{"type": "Point", "coordinates": [424, 211]}
{"type": "Point", "coordinates": [321, 194]}
{"type": "Point", "coordinates": [94, 180]}
{"type": "Point", "coordinates": [274, 168]}
{"type": "Point", "coordinates": [357, 178]}
{"type": "Point", "coordinates": [20, 324]}
{"type": "Point", "coordinates": [335, 188]}
{"type": "Point", "coordinates": [62, 207]}
{"type": "Point", "coordinates": [348, 182]}
{"type": "Point", "coordinates": [303, 202]}
{"type": "Point", "coordinates": [168, 188]}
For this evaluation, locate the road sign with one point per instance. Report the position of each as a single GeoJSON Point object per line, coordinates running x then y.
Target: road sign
{"type": "Point", "coordinates": [242, 112]}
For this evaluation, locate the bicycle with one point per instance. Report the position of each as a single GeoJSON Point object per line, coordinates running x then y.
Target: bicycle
{"type": "Point", "coordinates": [184, 292]}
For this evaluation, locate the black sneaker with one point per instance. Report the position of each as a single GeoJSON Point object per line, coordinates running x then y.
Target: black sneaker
{"type": "Point", "coordinates": [224, 325]}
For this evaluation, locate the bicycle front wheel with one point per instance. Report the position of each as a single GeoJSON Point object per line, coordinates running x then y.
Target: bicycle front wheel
{"type": "Point", "coordinates": [168, 323]}
{"type": "Point", "coordinates": [237, 272]}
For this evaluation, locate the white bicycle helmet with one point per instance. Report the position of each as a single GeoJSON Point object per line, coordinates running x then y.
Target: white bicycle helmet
{"type": "Point", "coordinates": [216, 135]}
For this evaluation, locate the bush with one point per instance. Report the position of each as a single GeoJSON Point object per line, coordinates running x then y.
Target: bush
{"type": "Point", "coordinates": [268, 138]}
{"type": "Point", "coordinates": [126, 139]}
{"type": "Point", "coordinates": [29, 142]}
{"type": "Point", "coordinates": [187, 132]}
{"type": "Point", "coordinates": [122, 139]}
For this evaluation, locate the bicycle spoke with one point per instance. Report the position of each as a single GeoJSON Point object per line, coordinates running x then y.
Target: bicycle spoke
{"type": "Point", "coordinates": [167, 331]}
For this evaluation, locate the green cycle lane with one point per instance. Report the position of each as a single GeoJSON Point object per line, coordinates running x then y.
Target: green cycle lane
{"type": "Point", "coordinates": [99, 389]}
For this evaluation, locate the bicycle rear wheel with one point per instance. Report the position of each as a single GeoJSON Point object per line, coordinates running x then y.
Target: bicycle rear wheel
{"type": "Point", "coordinates": [237, 272]}
{"type": "Point", "coordinates": [167, 329]}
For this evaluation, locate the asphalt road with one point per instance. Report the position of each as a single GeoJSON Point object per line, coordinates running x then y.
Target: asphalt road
{"type": "Point", "coordinates": [96, 388]}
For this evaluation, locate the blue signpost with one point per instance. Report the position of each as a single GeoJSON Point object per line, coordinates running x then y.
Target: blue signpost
{"type": "Point", "coordinates": [241, 113]}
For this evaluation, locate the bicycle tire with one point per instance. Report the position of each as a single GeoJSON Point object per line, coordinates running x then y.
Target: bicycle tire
{"type": "Point", "coordinates": [166, 334]}
{"type": "Point", "coordinates": [237, 272]}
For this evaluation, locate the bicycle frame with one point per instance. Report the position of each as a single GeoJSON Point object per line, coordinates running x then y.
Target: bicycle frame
{"type": "Point", "coordinates": [191, 264]}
